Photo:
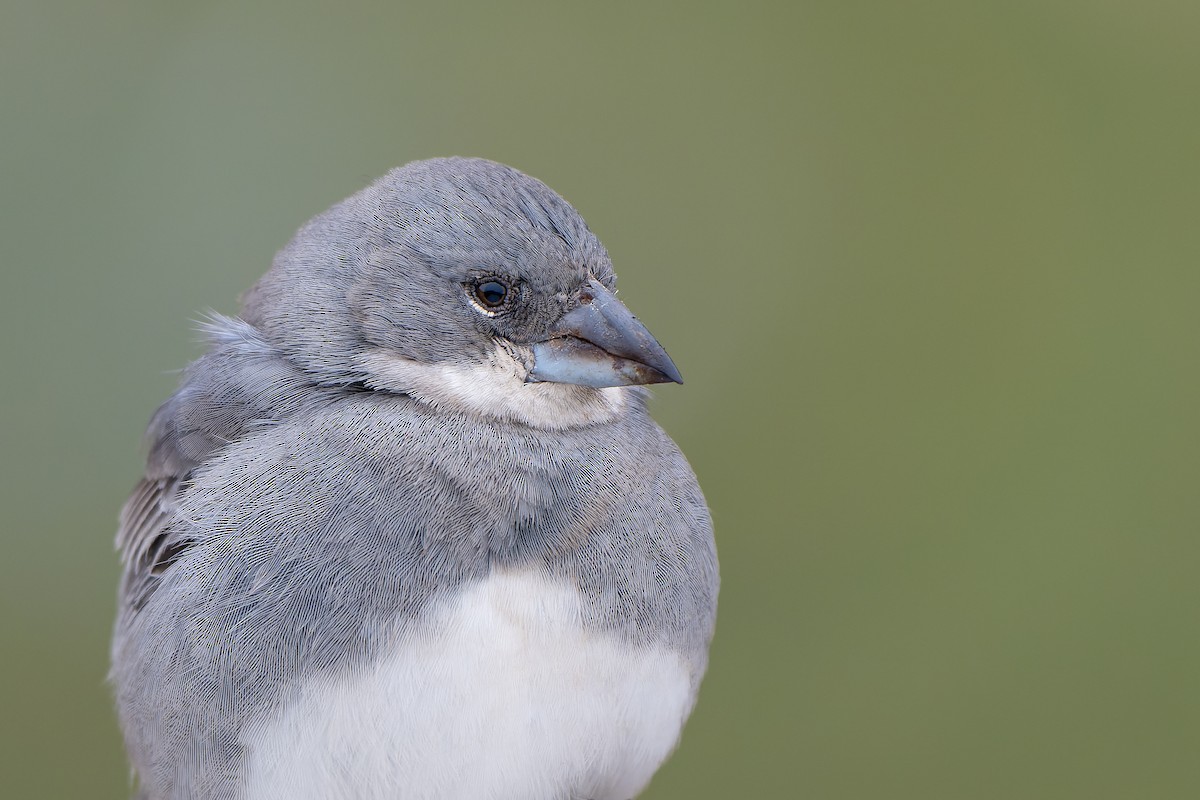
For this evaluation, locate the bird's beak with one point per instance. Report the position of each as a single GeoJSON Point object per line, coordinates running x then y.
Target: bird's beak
{"type": "Point", "coordinates": [600, 343]}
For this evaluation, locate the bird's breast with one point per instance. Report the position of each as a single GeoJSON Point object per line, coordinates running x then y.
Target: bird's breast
{"type": "Point", "coordinates": [501, 691]}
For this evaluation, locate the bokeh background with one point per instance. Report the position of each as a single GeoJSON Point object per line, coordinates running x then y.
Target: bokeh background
{"type": "Point", "coordinates": [931, 271]}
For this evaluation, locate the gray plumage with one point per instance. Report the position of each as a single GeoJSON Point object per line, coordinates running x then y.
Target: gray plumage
{"type": "Point", "coordinates": [301, 510]}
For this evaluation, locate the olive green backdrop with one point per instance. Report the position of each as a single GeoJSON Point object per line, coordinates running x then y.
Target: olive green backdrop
{"type": "Point", "coordinates": [931, 271]}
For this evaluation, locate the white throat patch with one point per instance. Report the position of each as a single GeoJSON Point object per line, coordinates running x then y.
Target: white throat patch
{"type": "Point", "coordinates": [493, 388]}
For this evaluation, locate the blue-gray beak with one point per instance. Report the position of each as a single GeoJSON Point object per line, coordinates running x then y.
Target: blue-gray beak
{"type": "Point", "coordinates": [600, 343]}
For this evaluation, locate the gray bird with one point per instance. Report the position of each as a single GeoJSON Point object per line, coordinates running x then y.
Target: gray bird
{"type": "Point", "coordinates": [407, 530]}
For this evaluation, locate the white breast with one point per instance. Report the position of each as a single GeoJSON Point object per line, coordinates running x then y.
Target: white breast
{"type": "Point", "coordinates": [502, 695]}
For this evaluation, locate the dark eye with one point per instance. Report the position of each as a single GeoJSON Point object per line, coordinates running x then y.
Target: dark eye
{"type": "Point", "coordinates": [491, 293]}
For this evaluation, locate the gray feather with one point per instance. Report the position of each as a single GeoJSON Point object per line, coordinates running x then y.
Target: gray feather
{"type": "Point", "coordinates": [291, 522]}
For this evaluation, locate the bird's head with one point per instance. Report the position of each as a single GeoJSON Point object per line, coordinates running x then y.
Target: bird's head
{"type": "Point", "coordinates": [467, 285]}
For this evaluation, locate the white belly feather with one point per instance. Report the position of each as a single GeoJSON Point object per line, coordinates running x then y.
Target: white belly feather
{"type": "Point", "coordinates": [501, 695]}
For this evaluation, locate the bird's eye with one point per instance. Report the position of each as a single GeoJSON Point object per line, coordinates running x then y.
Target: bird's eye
{"type": "Point", "coordinates": [491, 293]}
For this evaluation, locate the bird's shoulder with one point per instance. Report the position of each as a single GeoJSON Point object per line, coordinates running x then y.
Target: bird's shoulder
{"type": "Point", "coordinates": [239, 387]}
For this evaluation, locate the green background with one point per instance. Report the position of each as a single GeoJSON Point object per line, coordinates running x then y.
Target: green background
{"type": "Point", "coordinates": [931, 271]}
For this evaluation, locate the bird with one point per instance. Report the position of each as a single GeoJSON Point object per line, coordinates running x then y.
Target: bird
{"type": "Point", "coordinates": [407, 529]}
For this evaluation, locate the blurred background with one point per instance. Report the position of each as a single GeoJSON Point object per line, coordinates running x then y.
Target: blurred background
{"type": "Point", "coordinates": [931, 271]}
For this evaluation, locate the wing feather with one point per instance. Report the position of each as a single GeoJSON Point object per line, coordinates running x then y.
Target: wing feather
{"type": "Point", "coordinates": [239, 386]}
{"type": "Point", "coordinates": [147, 541]}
